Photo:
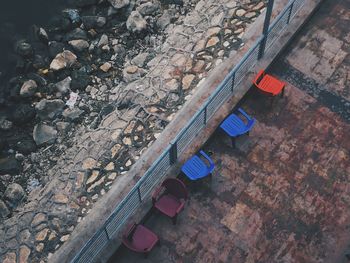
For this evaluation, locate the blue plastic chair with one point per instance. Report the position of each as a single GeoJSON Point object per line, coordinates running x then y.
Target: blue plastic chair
{"type": "Point", "coordinates": [234, 126]}
{"type": "Point", "coordinates": [195, 168]}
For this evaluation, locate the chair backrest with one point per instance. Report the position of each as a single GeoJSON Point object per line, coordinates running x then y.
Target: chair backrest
{"type": "Point", "coordinates": [175, 187]}
{"type": "Point", "coordinates": [259, 77]}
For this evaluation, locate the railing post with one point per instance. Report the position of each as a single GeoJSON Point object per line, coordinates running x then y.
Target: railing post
{"type": "Point", "coordinates": [266, 28]}
{"type": "Point", "coordinates": [107, 234]}
{"type": "Point", "coordinates": [205, 115]}
{"type": "Point", "coordinates": [233, 82]}
{"type": "Point", "coordinates": [173, 153]}
{"type": "Point", "coordinates": [290, 12]}
{"type": "Point", "coordinates": [139, 194]}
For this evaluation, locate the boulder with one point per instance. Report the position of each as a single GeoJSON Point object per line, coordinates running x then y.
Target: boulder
{"type": "Point", "coordinates": [93, 21]}
{"type": "Point", "coordinates": [103, 41]}
{"type": "Point", "coordinates": [55, 48]}
{"type": "Point", "coordinates": [76, 33]}
{"type": "Point", "coordinates": [28, 88]}
{"type": "Point", "coordinates": [14, 194]}
{"type": "Point", "coordinates": [49, 109]}
{"type": "Point", "coordinates": [63, 86]}
{"type": "Point", "coordinates": [44, 134]}
{"type": "Point", "coordinates": [136, 23]}
{"type": "Point", "coordinates": [72, 114]}
{"type": "Point", "coordinates": [79, 44]}
{"type": "Point", "coordinates": [5, 124]}
{"type": "Point", "coordinates": [42, 35]}
{"type": "Point", "coordinates": [63, 60]}
{"type": "Point", "coordinates": [140, 59]}
{"type": "Point", "coordinates": [117, 4]}
{"type": "Point", "coordinates": [105, 67]}
{"type": "Point", "coordinates": [148, 8]}
{"type": "Point", "coordinates": [9, 165]}
{"type": "Point", "coordinates": [164, 20]}
{"type": "Point", "coordinates": [4, 211]}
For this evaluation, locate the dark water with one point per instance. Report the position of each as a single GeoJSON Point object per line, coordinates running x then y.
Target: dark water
{"type": "Point", "coordinates": [16, 18]}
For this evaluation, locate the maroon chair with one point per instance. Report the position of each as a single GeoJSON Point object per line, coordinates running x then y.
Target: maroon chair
{"type": "Point", "coordinates": [170, 198]}
{"type": "Point", "coordinates": [140, 239]}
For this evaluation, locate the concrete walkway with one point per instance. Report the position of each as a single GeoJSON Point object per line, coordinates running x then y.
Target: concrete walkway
{"type": "Point", "coordinates": [283, 194]}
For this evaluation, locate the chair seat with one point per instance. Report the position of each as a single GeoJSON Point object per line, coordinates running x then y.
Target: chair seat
{"type": "Point", "coordinates": [143, 239]}
{"type": "Point", "coordinates": [234, 126]}
{"type": "Point", "coordinates": [271, 85]}
{"type": "Point", "coordinates": [168, 204]}
{"type": "Point", "coordinates": [195, 168]}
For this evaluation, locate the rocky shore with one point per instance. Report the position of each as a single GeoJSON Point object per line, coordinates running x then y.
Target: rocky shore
{"type": "Point", "coordinates": [95, 89]}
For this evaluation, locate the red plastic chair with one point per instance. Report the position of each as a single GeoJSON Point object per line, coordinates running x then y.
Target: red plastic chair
{"type": "Point", "coordinates": [139, 239]}
{"type": "Point", "coordinates": [269, 85]}
{"type": "Point", "coordinates": [170, 198]}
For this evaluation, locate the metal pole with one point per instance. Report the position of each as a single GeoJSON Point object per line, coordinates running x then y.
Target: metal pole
{"type": "Point", "coordinates": [266, 28]}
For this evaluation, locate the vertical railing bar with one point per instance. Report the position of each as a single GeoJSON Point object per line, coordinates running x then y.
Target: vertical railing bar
{"type": "Point", "coordinates": [139, 194]}
{"type": "Point", "coordinates": [290, 12]}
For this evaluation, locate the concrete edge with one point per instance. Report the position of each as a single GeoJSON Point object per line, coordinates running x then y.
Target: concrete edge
{"type": "Point", "coordinates": [105, 206]}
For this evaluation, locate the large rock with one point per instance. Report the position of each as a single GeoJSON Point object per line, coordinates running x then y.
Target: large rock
{"type": "Point", "coordinates": [117, 4]}
{"type": "Point", "coordinates": [14, 194]}
{"type": "Point", "coordinates": [76, 33]}
{"type": "Point", "coordinates": [93, 21]}
{"type": "Point", "coordinates": [63, 60]}
{"type": "Point", "coordinates": [23, 48]}
{"type": "Point", "coordinates": [9, 165]}
{"type": "Point", "coordinates": [136, 23]}
{"type": "Point", "coordinates": [4, 211]}
{"type": "Point", "coordinates": [55, 48]}
{"type": "Point", "coordinates": [79, 44]}
{"type": "Point", "coordinates": [72, 114]}
{"type": "Point", "coordinates": [149, 8]}
{"type": "Point", "coordinates": [49, 109]}
{"type": "Point", "coordinates": [44, 134]}
{"type": "Point", "coordinates": [28, 88]}
{"type": "Point", "coordinates": [63, 86]}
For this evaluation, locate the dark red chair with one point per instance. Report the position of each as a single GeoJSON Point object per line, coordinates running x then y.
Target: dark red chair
{"type": "Point", "coordinates": [139, 239]}
{"type": "Point", "coordinates": [269, 85]}
{"type": "Point", "coordinates": [170, 198]}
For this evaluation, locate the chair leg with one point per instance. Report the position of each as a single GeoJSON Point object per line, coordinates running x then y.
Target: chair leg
{"type": "Point", "coordinates": [174, 220]}
{"type": "Point", "coordinates": [233, 141]}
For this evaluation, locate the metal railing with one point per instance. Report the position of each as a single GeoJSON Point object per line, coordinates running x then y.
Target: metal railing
{"type": "Point", "coordinates": [141, 191]}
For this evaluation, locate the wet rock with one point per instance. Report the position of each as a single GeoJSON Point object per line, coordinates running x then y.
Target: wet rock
{"type": "Point", "coordinates": [164, 20]}
{"type": "Point", "coordinates": [72, 15]}
{"type": "Point", "coordinates": [136, 23]}
{"type": "Point", "coordinates": [62, 126]}
{"type": "Point", "coordinates": [63, 60]}
{"type": "Point", "coordinates": [49, 109]}
{"type": "Point", "coordinates": [9, 165]}
{"type": "Point", "coordinates": [55, 48]}
{"type": "Point", "coordinates": [72, 114]}
{"type": "Point", "coordinates": [63, 86]}
{"type": "Point", "coordinates": [42, 35]}
{"type": "Point", "coordinates": [14, 195]}
{"type": "Point", "coordinates": [80, 79]}
{"type": "Point", "coordinates": [5, 125]}
{"type": "Point", "coordinates": [22, 113]}
{"type": "Point", "coordinates": [93, 21]}
{"type": "Point", "coordinates": [117, 4]}
{"type": "Point", "coordinates": [79, 44]}
{"type": "Point", "coordinates": [23, 48]}
{"type": "Point", "coordinates": [103, 41]}
{"type": "Point", "coordinates": [44, 134]}
{"type": "Point", "coordinates": [28, 88]}
{"type": "Point", "coordinates": [149, 8]}
{"type": "Point", "coordinates": [76, 33]}
{"type": "Point", "coordinates": [26, 145]}
{"type": "Point", "coordinates": [4, 211]}
{"type": "Point", "coordinates": [140, 59]}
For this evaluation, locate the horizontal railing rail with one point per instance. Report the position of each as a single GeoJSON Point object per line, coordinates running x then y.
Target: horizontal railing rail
{"type": "Point", "coordinates": [225, 90]}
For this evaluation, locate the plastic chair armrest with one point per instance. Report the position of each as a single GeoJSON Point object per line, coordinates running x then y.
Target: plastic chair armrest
{"type": "Point", "coordinates": [206, 157]}
{"type": "Point", "coordinates": [244, 114]}
{"type": "Point", "coordinates": [259, 77]}
{"type": "Point", "coordinates": [178, 210]}
{"type": "Point", "coordinates": [156, 193]}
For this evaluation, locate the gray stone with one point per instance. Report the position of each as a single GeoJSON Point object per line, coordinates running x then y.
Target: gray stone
{"type": "Point", "coordinates": [149, 8]}
{"type": "Point", "coordinates": [63, 60]}
{"type": "Point", "coordinates": [93, 21]}
{"type": "Point", "coordinates": [79, 44]}
{"type": "Point", "coordinates": [140, 59]}
{"type": "Point", "coordinates": [49, 109]}
{"type": "Point", "coordinates": [4, 211]}
{"type": "Point", "coordinates": [105, 67]}
{"type": "Point", "coordinates": [117, 4]}
{"type": "Point", "coordinates": [5, 125]}
{"type": "Point", "coordinates": [62, 126]}
{"type": "Point", "coordinates": [44, 134]}
{"type": "Point", "coordinates": [72, 114]}
{"type": "Point", "coordinates": [103, 41]}
{"type": "Point", "coordinates": [42, 34]}
{"type": "Point", "coordinates": [23, 48]}
{"type": "Point", "coordinates": [164, 20]}
{"type": "Point", "coordinates": [14, 194]}
{"type": "Point", "coordinates": [64, 85]}
{"type": "Point", "coordinates": [136, 23]}
{"type": "Point", "coordinates": [28, 88]}
{"type": "Point", "coordinates": [9, 165]}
